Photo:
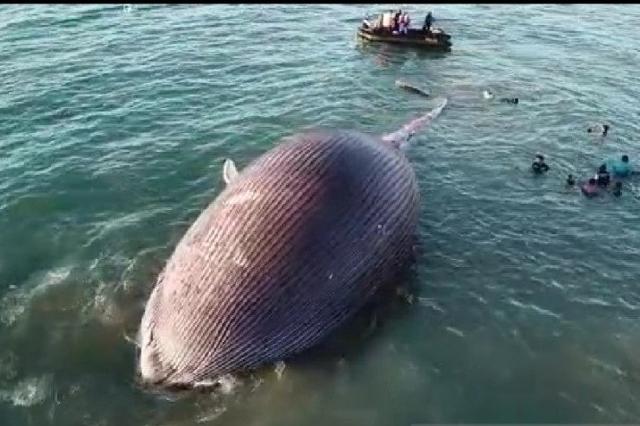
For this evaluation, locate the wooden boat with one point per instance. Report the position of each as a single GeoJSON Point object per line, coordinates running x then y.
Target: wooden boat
{"type": "Point", "coordinates": [435, 39]}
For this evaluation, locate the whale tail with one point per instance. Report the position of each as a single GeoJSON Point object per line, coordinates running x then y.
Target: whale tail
{"type": "Point", "coordinates": [400, 138]}
{"type": "Point", "coordinates": [411, 88]}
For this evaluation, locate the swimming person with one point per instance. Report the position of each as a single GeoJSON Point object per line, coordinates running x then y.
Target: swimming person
{"type": "Point", "coordinates": [617, 190]}
{"type": "Point", "coordinates": [604, 128]}
{"type": "Point", "coordinates": [622, 168]}
{"type": "Point", "coordinates": [571, 180]}
{"type": "Point", "coordinates": [590, 189]}
{"type": "Point", "coordinates": [509, 100]}
{"type": "Point", "coordinates": [602, 177]}
{"type": "Point", "coordinates": [539, 166]}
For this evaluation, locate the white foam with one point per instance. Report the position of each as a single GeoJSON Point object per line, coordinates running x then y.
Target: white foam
{"type": "Point", "coordinates": [53, 278]}
{"type": "Point", "coordinates": [28, 392]}
{"type": "Point", "coordinates": [228, 383]}
{"type": "Point", "coordinates": [533, 307]}
{"type": "Point", "coordinates": [103, 306]}
{"type": "Point", "coordinates": [430, 303]}
{"type": "Point", "coordinates": [280, 366]}
{"type": "Point", "coordinates": [455, 331]}
{"type": "Point", "coordinates": [225, 384]}
{"type": "Point", "coordinates": [211, 416]}
{"type": "Point", "coordinates": [15, 302]}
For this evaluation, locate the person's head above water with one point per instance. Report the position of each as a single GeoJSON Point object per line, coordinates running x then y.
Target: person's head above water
{"type": "Point", "coordinates": [540, 158]}
{"type": "Point", "coordinates": [592, 181]}
{"type": "Point", "coordinates": [571, 180]}
{"type": "Point", "coordinates": [625, 158]}
{"type": "Point", "coordinates": [602, 169]}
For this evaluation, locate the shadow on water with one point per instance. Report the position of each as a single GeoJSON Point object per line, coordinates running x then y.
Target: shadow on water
{"type": "Point", "coordinates": [390, 304]}
{"type": "Point", "coordinates": [387, 55]}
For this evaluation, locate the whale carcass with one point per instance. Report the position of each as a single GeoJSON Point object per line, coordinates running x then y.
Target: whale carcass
{"type": "Point", "coordinates": [295, 244]}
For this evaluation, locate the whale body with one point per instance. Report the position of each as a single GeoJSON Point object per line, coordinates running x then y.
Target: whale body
{"type": "Point", "coordinates": [294, 245]}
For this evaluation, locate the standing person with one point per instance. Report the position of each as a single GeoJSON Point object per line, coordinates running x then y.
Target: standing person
{"type": "Point", "coordinates": [407, 22]}
{"type": "Point", "coordinates": [397, 20]}
{"type": "Point", "coordinates": [401, 24]}
{"type": "Point", "coordinates": [427, 22]}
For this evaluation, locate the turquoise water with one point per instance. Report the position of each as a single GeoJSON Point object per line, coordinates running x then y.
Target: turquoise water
{"type": "Point", "coordinates": [522, 307]}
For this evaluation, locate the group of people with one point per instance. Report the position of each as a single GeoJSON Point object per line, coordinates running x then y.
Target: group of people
{"type": "Point", "coordinates": [399, 22]}
{"type": "Point", "coordinates": [602, 180]}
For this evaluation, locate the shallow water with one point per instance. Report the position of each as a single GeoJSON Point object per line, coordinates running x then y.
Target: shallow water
{"type": "Point", "coordinates": [113, 126]}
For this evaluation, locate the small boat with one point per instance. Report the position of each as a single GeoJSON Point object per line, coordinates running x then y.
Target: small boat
{"type": "Point", "coordinates": [372, 29]}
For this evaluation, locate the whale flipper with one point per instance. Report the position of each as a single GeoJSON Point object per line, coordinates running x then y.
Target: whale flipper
{"type": "Point", "coordinates": [229, 171]}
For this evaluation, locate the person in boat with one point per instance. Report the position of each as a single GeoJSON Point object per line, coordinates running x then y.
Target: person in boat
{"type": "Point", "coordinates": [406, 21]}
{"type": "Point", "coordinates": [396, 22]}
{"type": "Point", "coordinates": [602, 177]}
{"type": "Point", "coordinates": [617, 190]}
{"type": "Point", "coordinates": [539, 166]}
{"type": "Point", "coordinates": [387, 21]}
{"type": "Point", "coordinates": [401, 24]}
{"type": "Point", "coordinates": [428, 20]}
{"type": "Point", "coordinates": [590, 189]}
{"type": "Point", "coordinates": [622, 168]}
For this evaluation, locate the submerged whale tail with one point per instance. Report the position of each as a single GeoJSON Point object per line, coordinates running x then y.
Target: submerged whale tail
{"type": "Point", "coordinates": [400, 138]}
{"type": "Point", "coordinates": [411, 88]}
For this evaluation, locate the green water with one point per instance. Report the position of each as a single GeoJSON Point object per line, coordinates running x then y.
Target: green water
{"type": "Point", "coordinates": [113, 127]}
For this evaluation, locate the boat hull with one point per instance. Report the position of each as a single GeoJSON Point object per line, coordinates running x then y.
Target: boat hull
{"type": "Point", "coordinates": [415, 38]}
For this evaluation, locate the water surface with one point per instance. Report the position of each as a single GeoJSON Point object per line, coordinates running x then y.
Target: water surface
{"type": "Point", "coordinates": [113, 127]}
